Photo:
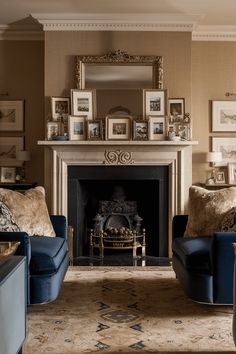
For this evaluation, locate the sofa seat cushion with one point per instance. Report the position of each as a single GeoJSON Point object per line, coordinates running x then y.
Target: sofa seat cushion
{"type": "Point", "coordinates": [194, 253]}
{"type": "Point", "coordinates": [47, 253]}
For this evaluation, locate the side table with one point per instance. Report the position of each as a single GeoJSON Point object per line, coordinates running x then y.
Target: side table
{"type": "Point", "coordinates": [13, 304]}
{"type": "Point", "coordinates": [18, 186]}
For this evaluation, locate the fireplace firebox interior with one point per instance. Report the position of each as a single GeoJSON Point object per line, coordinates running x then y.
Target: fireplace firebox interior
{"type": "Point", "coordinates": [145, 185]}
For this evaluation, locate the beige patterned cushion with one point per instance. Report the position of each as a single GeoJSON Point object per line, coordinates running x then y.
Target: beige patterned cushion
{"type": "Point", "coordinates": [229, 221]}
{"type": "Point", "coordinates": [29, 210]}
{"type": "Point", "coordinates": [207, 210]}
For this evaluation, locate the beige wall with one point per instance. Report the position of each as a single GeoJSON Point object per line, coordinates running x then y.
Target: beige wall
{"type": "Point", "coordinates": [61, 47]}
{"type": "Point", "coordinates": [198, 71]}
{"type": "Point", "coordinates": [22, 75]}
{"type": "Point", "coordinates": [213, 74]}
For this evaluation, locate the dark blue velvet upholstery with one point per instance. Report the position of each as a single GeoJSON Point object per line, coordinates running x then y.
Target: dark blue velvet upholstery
{"type": "Point", "coordinates": [47, 258]}
{"type": "Point", "coordinates": [204, 265]}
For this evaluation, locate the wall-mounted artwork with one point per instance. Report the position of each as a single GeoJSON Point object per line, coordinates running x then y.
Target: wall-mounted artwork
{"type": "Point", "coordinates": [227, 146]}
{"type": "Point", "coordinates": [8, 148]}
{"type": "Point", "coordinates": [12, 115]}
{"type": "Point", "coordinates": [223, 116]}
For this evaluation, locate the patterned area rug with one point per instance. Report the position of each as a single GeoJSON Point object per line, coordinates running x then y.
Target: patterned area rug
{"type": "Point", "coordinates": [124, 310]}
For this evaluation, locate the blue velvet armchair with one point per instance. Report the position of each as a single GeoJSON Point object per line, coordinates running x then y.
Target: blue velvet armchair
{"type": "Point", "coordinates": [47, 259]}
{"type": "Point", "coordinates": [204, 266]}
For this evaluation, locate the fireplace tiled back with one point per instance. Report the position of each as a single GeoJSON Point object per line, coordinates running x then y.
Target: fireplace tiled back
{"type": "Point", "coordinates": [146, 186]}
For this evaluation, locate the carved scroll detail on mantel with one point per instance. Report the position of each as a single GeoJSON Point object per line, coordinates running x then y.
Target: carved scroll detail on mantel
{"type": "Point", "coordinates": [118, 157]}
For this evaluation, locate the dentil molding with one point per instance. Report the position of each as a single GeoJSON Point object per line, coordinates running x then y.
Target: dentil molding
{"type": "Point", "coordinates": [117, 22]}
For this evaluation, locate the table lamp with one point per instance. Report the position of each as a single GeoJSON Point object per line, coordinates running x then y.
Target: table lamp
{"type": "Point", "coordinates": [213, 157]}
{"type": "Point", "coordinates": [23, 155]}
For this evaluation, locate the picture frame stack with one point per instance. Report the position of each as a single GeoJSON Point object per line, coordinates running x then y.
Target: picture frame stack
{"type": "Point", "coordinates": [12, 138]}
{"type": "Point", "coordinates": [79, 113]}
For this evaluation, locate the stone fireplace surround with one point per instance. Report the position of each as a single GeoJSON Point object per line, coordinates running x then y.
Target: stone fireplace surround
{"type": "Point", "coordinates": [59, 155]}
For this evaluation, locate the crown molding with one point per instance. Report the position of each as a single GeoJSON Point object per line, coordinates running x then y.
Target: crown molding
{"type": "Point", "coordinates": [117, 22]}
{"type": "Point", "coordinates": [214, 33]}
{"type": "Point", "coordinates": [21, 33]}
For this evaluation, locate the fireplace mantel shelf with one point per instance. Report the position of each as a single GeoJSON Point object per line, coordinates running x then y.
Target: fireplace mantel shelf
{"type": "Point", "coordinates": [117, 143]}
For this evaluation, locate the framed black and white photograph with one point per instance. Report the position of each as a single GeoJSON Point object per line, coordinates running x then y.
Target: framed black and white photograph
{"type": "Point", "coordinates": [232, 173]}
{"type": "Point", "coordinates": [154, 102]}
{"type": "Point", "coordinates": [60, 108]}
{"type": "Point", "coordinates": [183, 131]}
{"type": "Point", "coordinates": [53, 130]}
{"type": "Point", "coordinates": [8, 149]}
{"type": "Point", "coordinates": [140, 129]}
{"type": "Point", "coordinates": [118, 128]}
{"type": "Point", "coordinates": [220, 177]}
{"type": "Point", "coordinates": [94, 129]}
{"type": "Point", "coordinates": [223, 116]}
{"type": "Point", "coordinates": [12, 115]}
{"type": "Point", "coordinates": [8, 175]}
{"type": "Point", "coordinates": [157, 128]}
{"type": "Point", "coordinates": [227, 146]}
{"type": "Point", "coordinates": [77, 128]}
{"type": "Point", "coordinates": [176, 109]}
{"type": "Point", "coordinates": [83, 103]}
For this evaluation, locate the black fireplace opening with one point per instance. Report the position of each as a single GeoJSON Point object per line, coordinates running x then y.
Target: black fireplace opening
{"type": "Point", "coordinates": [146, 185]}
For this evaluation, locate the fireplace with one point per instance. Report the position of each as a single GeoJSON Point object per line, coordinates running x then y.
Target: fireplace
{"type": "Point", "coordinates": [62, 158]}
{"type": "Point", "coordinates": [146, 185]}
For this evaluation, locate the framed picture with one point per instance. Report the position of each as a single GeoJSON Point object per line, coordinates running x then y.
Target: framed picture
{"type": "Point", "coordinates": [140, 129]}
{"type": "Point", "coordinates": [53, 130]}
{"type": "Point", "coordinates": [157, 128]}
{"type": "Point", "coordinates": [118, 128]}
{"type": "Point", "coordinates": [77, 128]}
{"type": "Point", "coordinates": [223, 116]}
{"type": "Point", "coordinates": [232, 173]}
{"type": "Point", "coordinates": [183, 131]}
{"type": "Point", "coordinates": [94, 129]}
{"type": "Point", "coordinates": [154, 102]}
{"type": "Point", "coordinates": [8, 175]}
{"type": "Point", "coordinates": [8, 148]}
{"type": "Point", "coordinates": [219, 177]}
{"type": "Point", "coordinates": [12, 115]}
{"type": "Point", "coordinates": [227, 146]}
{"type": "Point", "coordinates": [176, 109]}
{"type": "Point", "coordinates": [60, 107]}
{"type": "Point", "coordinates": [83, 103]}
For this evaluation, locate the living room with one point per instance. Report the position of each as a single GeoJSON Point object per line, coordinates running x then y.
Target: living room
{"type": "Point", "coordinates": [45, 50]}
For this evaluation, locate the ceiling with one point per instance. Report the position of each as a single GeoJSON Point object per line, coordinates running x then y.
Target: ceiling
{"type": "Point", "coordinates": [210, 12]}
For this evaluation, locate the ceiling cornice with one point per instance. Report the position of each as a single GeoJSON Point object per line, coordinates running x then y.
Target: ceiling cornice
{"type": "Point", "coordinates": [22, 33]}
{"type": "Point", "coordinates": [214, 33]}
{"type": "Point", "coordinates": [117, 22]}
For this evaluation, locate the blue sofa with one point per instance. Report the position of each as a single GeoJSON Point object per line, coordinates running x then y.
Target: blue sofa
{"type": "Point", "coordinates": [204, 266]}
{"type": "Point", "coordinates": [47, 259]}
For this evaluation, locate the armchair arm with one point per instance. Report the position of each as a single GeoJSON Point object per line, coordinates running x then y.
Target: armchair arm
{"type": "Point", "coordinates": [60, 225]}
{"type": "Point", "coordinates": [223, 258]}
{"type": "Point", "coordinates": [179, 224]}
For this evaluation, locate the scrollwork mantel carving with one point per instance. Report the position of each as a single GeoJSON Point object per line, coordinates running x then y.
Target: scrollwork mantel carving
{"type": "Point", "coordinates": [118, 157]}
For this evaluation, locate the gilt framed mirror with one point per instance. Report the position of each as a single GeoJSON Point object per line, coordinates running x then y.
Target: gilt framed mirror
{"type": "Point", "coordinates": [119, 79]}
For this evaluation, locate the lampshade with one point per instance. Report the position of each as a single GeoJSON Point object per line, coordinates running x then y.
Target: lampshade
{"type": "Point", "coordinates": [214, 156]}
{"type": "Point", "coordinates": [23, 155]}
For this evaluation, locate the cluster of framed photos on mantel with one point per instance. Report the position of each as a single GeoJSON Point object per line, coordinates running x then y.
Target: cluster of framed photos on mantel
{"type": "Point", "coordinates": [74, 118]}
{"type": "Point", "coordinates": [224, 120]}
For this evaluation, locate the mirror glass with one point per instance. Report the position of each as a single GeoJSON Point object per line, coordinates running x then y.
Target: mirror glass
{"type": "Point", "coordinates": [118, 76]}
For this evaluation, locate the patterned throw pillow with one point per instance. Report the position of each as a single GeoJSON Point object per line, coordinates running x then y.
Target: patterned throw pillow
{"type": "Point", "coordinates": [7, 221]}
{"type": "Point", "coordinates": [207, 210]}
{"type": "Point", "coordinates": [29, 210]}
{"type": "Point", "coordinates": [229, 222]}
